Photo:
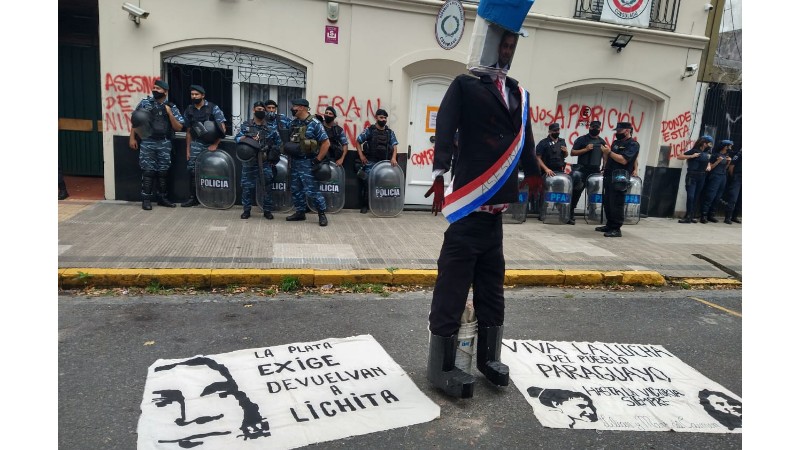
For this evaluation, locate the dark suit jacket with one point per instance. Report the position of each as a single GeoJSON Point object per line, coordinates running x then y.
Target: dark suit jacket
{"type": "Point", "coordinates": [486, 128]}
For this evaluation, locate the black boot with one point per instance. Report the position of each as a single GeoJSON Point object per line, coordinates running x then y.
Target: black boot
{"type": "Point", "coordinates": [245, 214]}
{"type": "Point", "coordinates": [323, 221]}
{"type": "Point", "coordinates": [162, 193]}
{"type": "Point", "coordinates": [147, 192]}
{"type": "Point", "coordinates": [490, 340]}
{"type": "Point", "coordinates": [62, 193]}
{"type": "Point", "coordinates": [442, 370]}
{"type": "Point", "coordinates": [728, 218]}
{"type": "Point", "coordinates": [298, 215]}
{"type": "Point", "coordinates": [192, 193]}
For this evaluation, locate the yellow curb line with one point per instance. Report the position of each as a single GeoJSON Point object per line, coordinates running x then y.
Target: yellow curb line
{"type": "Point", "coordinates": [95, 277]}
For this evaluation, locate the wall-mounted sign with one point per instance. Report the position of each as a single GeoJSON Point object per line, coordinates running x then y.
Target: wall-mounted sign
{"type": "Point", "coordinates": [449, 24]}
{"type": "Point", "coordinates": [430, 119]}
{"type": "Point", "coordinates": [331, 34]}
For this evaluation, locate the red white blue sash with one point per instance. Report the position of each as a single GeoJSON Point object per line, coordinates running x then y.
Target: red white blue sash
{"type": "Point", "coordinates": [475, 193]}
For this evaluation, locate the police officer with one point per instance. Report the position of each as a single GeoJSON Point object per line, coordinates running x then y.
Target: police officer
{"type": "Point", "coordinates": [155, 150]}
{"type": "Point", "coordinates": [697, 158]}
{"type": "Point", "coordinates": [375, 144]}
{"type": "Point", "coordinates": [734, 188]}
{"type": "Point", "coordinates": [200, 111]}
{"type": "Point", "coordinates": [588, 149]}
{"type": "Point", "coordinates": [338, 139]}
{"type": "Point", "coordinates": [551, 153]}
{"type": "Point", "coordinates": [258, 128]}
{"type": "Point", "coordinates": [619, 162]}
{"type": "Point", "coordinates": [307, 147]}
{"type": "Point", "coordinates": [715, 180]}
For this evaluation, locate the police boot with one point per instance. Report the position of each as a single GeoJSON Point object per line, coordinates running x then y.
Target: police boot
{"type": "Point", "coordinates": [192, 193]}
{"type": "Point", "coordinates": [442, 370]}
{"type": "Point", "coordinates": [298, 215]}
{"type": "Point", "coordinates": [62, 194]}
{"type": "Point", "coordinates": [728, 218]}
{"type": "Point", "coordinates": [245, 214]}
{"type": "Point", "coordinates": [323, 221]}
{"type": "Point", "coordinates": [147, 192]}
{"type": "Point", "coordinates": [162, 194]}
{"type": "Point", "coordinates": [490, 340]}
{"type": "Point", "coordinates": [712, 219]}
{"type": "Point", "coordinates": [364, 201]}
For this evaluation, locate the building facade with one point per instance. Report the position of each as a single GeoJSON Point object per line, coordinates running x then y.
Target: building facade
{"type": "Point", "coordinates": [361, 55]}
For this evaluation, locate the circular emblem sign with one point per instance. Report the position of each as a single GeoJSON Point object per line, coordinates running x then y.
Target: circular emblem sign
{"type": "Point", "coordinates": [628, 9]}
{"type": "Point", "coordinates": [450, 24]}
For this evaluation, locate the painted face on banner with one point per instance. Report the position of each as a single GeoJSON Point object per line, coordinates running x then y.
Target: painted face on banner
{"type": "Point", "coordinates": [195, 404]}
{"type": "Point", "coordinates": [722, 404]}
{"type": "Point", "coordinates": [579, 409]}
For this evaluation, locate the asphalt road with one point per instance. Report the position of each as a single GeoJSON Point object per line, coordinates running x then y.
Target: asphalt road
{"type": "Point", "coordinates": [103, 359]}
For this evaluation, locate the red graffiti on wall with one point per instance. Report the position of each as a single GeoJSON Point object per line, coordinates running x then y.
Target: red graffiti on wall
{"type": "Point", "coordinates": [352, 115]}
{"type": "Point", "coordinates": [675, 132]}
{"type": "Point", "coordinates": [576, 114]}
{"type": "Point", "coordinates": [118, 101]}
{"type": "Point", "coordinates": [423, 158]}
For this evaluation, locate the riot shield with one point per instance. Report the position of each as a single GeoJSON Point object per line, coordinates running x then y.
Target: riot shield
{"type": "Point", "coordinates": [281, 188]}
{"type": "Point", "coordinates": [517, 212]}
{"type": "Point", "coordinates": [332, 190]}
{"type": "Point", "coordinates": [633, 200]}
{"type": "Point", "coordinates": [386, 189]}
{"type": "Point", "coordinates": [593, 212]}
{"type": "Point", "coordinates": [216, 179]}
{"type": "Point", "coordinates": [557, 198]}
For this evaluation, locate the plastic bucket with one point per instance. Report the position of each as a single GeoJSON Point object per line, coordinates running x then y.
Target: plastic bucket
{"type": "Point", "coordinates": [465, 349]}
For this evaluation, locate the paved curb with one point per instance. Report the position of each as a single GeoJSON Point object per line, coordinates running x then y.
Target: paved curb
{"type": "Point", "coordinates": [95, 277]}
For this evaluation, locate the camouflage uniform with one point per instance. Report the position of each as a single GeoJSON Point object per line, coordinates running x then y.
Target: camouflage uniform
{"type": "Point", "coordinates": [197, 147]}
{"type": "Point", "coordinates": [366, 136]}
{"type": "Point", "coordinates": [266, 132]}
{"type": "Point", "coordinates": [155, 151]}
{"type": "Point", "coordinates": [302, 182]}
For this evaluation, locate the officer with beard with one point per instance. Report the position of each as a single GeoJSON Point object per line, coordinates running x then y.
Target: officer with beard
{"type": "Point", "coordinates": [200, 110]}
{"type": "Point", "coordinates": [588, 149]}
{"type": "Point", "coordinates": [336, 134]}
{"type": "Point", "coordinates": [375, 144]}
{"type": "Point", "coordinates": [258, 129]}
{"type": "Point", "coordinates": [307, 147]}
{"type": "Point", "coordinates": [155, 150]}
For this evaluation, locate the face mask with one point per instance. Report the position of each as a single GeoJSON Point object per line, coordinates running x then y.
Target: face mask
{"type": "Point", "coordinates": [158, 95]}
{"type": "Point", "coordinates": [272, 115]}
{"type": "Point", "coordinates": [294, 112]}
{"type": "Point", "coordinates": [620, 135]}
{"type": "Point", "coordinates": [197, 101]}
{"type": "Point", "coordinates": [594, 132]}
{"type": "Point", "coordinates": [260, 115]}
{"type": "Point", "coordinates": [329, 119]}
{"type": "Point", "coordinates": [554, 135]}
{"type": "Point", "coordinates": [381, 123]}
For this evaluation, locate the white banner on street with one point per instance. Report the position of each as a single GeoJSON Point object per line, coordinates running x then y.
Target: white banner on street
{"type": "Point", "coordinates": [635, 13]}
{"type": "Point", "coordinates": [595, 385]}
{"type": "Point", "coordinates": [284, 396]}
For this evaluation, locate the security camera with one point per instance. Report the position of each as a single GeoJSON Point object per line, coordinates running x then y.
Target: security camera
{"type": "Point", "coordinates": [691, 68]}
{"type": "Point", "coordinates": [134, 12]}
{"type": "Point", "coordinates": [708, 7]}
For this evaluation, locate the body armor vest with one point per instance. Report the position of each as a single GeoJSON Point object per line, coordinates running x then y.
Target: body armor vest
{"type": "Point", "coordinates": [378, 144]}
{"type": "Point", "coordinates": [160, 124]}
{"type": "Point", "coordinates": [298, 145]}
{"type": "Point", "coordinates": [595, 156]}
{"type": "Point", "coordinates": [553, 158]}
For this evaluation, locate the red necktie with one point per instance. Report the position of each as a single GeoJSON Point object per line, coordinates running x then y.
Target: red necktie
{"type": "Point", "coordinates": [499, 83]}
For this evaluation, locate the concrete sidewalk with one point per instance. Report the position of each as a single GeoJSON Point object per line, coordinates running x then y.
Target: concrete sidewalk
{"type": "Point", "coordinates": [117, 243]}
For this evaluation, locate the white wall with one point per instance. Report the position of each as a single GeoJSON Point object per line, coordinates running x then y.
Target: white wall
{"type": "Point", "coordinates": [383, 44]}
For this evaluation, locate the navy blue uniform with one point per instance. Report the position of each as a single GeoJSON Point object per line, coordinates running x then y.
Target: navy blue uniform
{"type": "Point", "coordinates": [695, 178]}
{"type": "Point", "coordinates": [614, 200]}
{"type": "Point", "coordinates": [303, 183]}
{"type": "Point", "coordinates": [734, 186]}
{"type": "Point", "coordinates": [715, 184]}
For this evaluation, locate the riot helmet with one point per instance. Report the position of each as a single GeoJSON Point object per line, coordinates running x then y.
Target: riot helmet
{"type": "Point", "coordinates": [247, 148]}
{"type": "Point", "coordinates": [142, 122]}
{"type": "Point", "coordinates": [321, 171]}
{"type": "Point", "coordinates": [620, 181]}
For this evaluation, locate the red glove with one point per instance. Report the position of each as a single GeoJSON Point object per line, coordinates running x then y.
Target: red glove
{"type": "Point", "coordinates": [533, 182]}
{"type": "Point", "coordinates": [437, 189]}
